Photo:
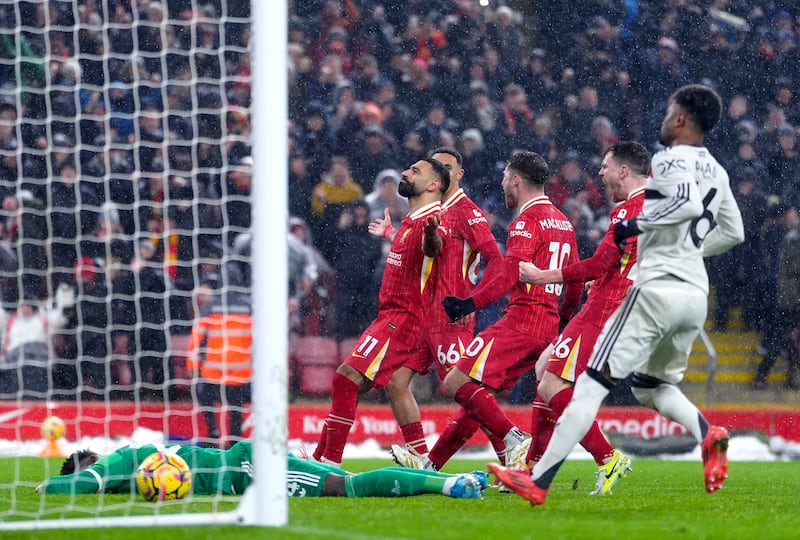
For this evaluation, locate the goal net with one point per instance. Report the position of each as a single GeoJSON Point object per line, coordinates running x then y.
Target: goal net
{"type": "Point", "coordinates": [129, 315]}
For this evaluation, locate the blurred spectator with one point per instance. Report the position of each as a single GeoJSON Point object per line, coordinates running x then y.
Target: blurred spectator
{"type": "Point", "coordinates": [587, 234]}
{"type": "Point", "coordinates": [537, 80]}
{"type": "Point", "coordinates": [311, 282]}
{"type": "Point", "coordinates": [484, 115]}
{"type": "Point", "coordinates": [384, 195]}
{"type": "Point", "coordinates": [515, 123]}
{"type": "Point", "coordinates": [434, 124]}
{"type": "Point", "coordinates": [505, 36]}
{"type": "Point", "coordinates": [571, 182]}
{"type": "Point", "coordinates": [336, 189]}
{"type": "Point", "coordinates": [781, 334]}
{"type": "Point", "coordinates": [27, 350]}
{"type": "Point", "coordinates": [367, 78]}
{"type": "Point", "coordinates": [151, 342]}
{"type": "Point", "coordinates": [301, 184]}
{"type": "Point", "coordinates": [355, 256]}
{"type": "Point", "coordinates": [28, 229]}
{"type": "Point", "coordinates": [92, 321]}
{"type": "Point", "coordinates": [315, 140]}
{"type": "Point", "coordinates": [783, 165]}
{"type": "Point", "coordinates": [220, 360]}
{"type": "Point", "coordinates": [737, 274]}
{"type": "Point", "coordinates": [236, 194]}
{"type": "Point", "coordinates": [374, 152]}
{"type": "Point", "coordinates": [397, 119]}
{"type": "Point", "coordinates": [478, 181]}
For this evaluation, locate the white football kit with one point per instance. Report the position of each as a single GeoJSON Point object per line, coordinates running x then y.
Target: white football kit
{"type": "Point", "coordinates": [689, 212]}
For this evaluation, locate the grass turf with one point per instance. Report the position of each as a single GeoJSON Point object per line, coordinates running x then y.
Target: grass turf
{"type": "Point", "coordinates": [659, 499]}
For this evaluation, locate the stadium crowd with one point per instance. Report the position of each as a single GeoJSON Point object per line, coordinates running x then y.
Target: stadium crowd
{"type": "Point", "coordinates": [137, 114]}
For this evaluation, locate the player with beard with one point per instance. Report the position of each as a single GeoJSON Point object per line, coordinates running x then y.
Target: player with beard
{"type": "Point", "coordinates": [499, 355]}
{"type": "Point", "coordinates": [689, 212]}
{"type": "Point", "coordinates": [399, 331]}
{"type": "Point", "coordinates": [467, 239]}
{"type": "Point", "coordinates": [624, 171]}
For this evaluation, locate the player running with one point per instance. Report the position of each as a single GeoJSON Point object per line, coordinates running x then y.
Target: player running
{"type": "Point", "coordinates": [466, 241]}
{"type": "Point", "coordinates": [689, 212]}
{"type": "Point", "coordinates": [499, 355]}
{"type": "Point", "coordinates": [624, 171]}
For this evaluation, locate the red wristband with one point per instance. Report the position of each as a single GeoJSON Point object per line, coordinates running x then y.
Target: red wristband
{"type": "Point", "coordinates": [389, 230]}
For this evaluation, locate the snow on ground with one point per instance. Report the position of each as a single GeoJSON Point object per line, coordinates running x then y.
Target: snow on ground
{"type": "Point", "coordinates": [742, 448]}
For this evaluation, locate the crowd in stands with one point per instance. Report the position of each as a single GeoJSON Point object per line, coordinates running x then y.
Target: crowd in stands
{"type": "Point", "coordinates": [137, 113]}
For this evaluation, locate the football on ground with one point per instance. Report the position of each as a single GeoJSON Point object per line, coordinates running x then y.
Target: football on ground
{"type": "Point", "coordinates": [162, 477]}
{"type": "Point", "coordinates": [52, 428]}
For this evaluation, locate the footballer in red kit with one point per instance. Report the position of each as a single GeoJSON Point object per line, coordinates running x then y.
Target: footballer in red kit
{"type": "Point", "coordinates": [467, 242]}
{"type": "Point", "coordinates": [407, 284]}
{"type": "Point", "coordinates": [499, 355]}
{"type": "Point", "coordinates": [624, 171]}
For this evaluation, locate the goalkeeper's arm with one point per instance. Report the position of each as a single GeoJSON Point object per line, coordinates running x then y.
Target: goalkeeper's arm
{"type": "Point", "coordinates": [85, 481]}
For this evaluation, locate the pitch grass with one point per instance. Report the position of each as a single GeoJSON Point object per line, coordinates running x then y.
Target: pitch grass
{"type": "Point", "coordinates": [659, 499]}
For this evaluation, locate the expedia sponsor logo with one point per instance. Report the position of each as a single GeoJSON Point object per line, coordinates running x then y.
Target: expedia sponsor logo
{"type": "Point", "coordinates": [395, 259]}
{"type": "Point", "coordinates": [526, 234]}
{"type": "Point", "coordinates": [476, 220]}
{"type": "Point", "coordinates": [559, 224]}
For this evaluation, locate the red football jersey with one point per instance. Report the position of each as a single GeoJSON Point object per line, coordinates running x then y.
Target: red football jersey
{"type": "Point", "coordinates": [609, 269]}
{"type": "Point", "coordinates": [408, 280]}
{"type": "Point", "coordinates": [466, 237]}
{"type": "Point", "coordinates": [541, 234]}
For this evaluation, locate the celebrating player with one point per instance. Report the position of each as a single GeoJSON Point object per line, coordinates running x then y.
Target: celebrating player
{"type": "Point", "coordinates": [689, 212]}
{"type": "Point", "coordinates": [624, 171]}
{"type": "Point", "coordinates": [499, 355]}
{"type": "Point", "coordinates": [400, 330]}
{"type": "Point", "coordinates": [467, 239]}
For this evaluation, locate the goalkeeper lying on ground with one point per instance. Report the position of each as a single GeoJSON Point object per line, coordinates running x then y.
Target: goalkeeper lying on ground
{"type": "Point", "coordinates": [229, 472]}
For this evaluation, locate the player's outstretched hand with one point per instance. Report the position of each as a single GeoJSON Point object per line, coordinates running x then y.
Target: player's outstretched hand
{"type": "Point", "coordinates": [381, 227]}
{"type": "Point", "coordinates": [432, 225]}
{"type": "Point", "coordinates": [458, 308]}
{"type": "Point", "coordinates": [624, 230]}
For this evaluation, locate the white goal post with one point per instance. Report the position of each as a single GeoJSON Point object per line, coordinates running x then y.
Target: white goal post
{"type": "Point", "coordinates": [265, 502]}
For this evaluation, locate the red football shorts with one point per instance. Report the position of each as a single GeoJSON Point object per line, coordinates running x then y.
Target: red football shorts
{"type": "Point", "coordinates": [572, 349]}
{"type": "Point", "coordinates": [500, 355]}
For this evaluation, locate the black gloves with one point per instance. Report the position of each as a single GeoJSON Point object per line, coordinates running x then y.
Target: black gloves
{"type": "Point", "coordinates": [457, 308]}
{"type": "Point", "coordinates": [624, 230]}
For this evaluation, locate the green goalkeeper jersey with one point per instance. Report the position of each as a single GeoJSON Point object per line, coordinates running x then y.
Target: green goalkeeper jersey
{"type": "Point", "coordinates": [214, 471]}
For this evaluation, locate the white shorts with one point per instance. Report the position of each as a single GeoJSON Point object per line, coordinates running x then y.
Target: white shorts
{"type": "Point", "coordinates": [652, 331]}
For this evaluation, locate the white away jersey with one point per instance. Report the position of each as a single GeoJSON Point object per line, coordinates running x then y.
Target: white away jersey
{"type": "Point", "coordinates": [689, 212]}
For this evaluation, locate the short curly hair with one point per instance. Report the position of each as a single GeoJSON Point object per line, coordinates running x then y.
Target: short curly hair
{"type": "Point", "coordinates": [77, 461]}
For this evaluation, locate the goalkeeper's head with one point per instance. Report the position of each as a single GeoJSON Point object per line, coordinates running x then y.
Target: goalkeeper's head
{"type": "Point", "coordinates": [77, 461]}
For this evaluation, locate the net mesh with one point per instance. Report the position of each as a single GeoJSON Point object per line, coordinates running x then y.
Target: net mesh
{"type": "Point", "coordinates": [125, 170]}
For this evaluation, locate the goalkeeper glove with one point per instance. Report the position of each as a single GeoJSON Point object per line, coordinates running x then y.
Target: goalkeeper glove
{"type": "Point", "coordinates": [458, 308]}
{"type": "Point", "coordinates": [624, 230]}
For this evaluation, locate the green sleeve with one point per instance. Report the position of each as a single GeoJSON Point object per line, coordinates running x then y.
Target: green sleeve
{"type": "Point", "coordinates": [82, 482]}
{"type": "Point", "coordinates": [113, 473]}
{"type": "Point", "coordinates": [218, 472]}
